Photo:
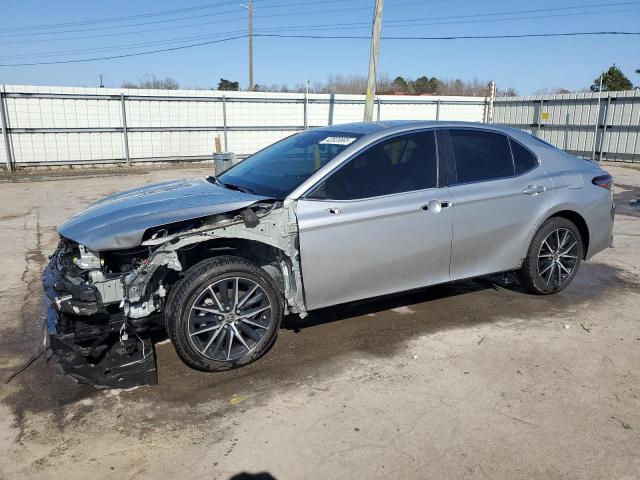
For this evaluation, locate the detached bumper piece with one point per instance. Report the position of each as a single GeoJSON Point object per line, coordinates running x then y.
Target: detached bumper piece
{"type": "Point", "coordinates": [85, 338]}
{"type": "Point", "coordinates": [109, 364]}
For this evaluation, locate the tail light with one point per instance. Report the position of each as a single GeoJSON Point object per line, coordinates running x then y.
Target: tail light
{"type": "Point", "coordinates": [604, 181]}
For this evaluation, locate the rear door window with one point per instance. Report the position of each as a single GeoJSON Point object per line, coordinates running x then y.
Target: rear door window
{"type": "Point", "coordinates": [480, 155]}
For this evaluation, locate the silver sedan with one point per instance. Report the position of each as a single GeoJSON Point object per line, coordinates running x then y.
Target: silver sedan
{"type": "Point", "coordinates": [324, 217]}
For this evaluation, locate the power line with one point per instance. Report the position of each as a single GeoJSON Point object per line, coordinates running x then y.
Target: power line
{"type": "Point", "coordinates": [332, 37]}
{"type": "Point", "coordinates": [146, 15]}
{"type": "Point", "coordinates": [283, 29]}
{"type": "Point", "coordinates": [182, 47]}
{"type": "Point", "coordinates": [120, 34]}
{"type": "Point", "coordinates": [451, 37]}
{"type": "Point", "coordinates": [191, 17]}
{"type": "Point", "coordinates": [286, 5]}
{"type": "Point", "coordinates": [140, 24]}
{"type": "Point", "coordinates": [117, 19]}
{"type": "Point", "coordinates": [408, 23]}
{"type": "Point", "coordinates": [518, 12]}
{"type": "Point", "coordinates": [342, 26]}
{"type": "Point", "coordinates": [513, 19]}
{"type": "Point", "coordinates": [124, 46]}
{"type": "Point", "coordinates": [227, 12]}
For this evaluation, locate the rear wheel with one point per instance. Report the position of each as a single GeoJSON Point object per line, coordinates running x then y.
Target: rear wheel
{"type": "Point", "coordinates": [225, 313]}
{"type": "Point", "coordinates": [553, 257]}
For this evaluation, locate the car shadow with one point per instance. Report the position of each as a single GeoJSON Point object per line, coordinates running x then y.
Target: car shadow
{"type": "Point", "coordinates": [253, 476]}
{"type": "Point", "coordinates": [402, 300]}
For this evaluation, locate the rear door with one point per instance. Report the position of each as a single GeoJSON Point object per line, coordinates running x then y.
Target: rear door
{"type": "Point", "coordinates": [499, 191]}
{"type": "Point", "coordinates": [379, 224]}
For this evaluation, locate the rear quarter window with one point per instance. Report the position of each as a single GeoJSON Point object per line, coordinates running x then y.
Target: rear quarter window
{"type": "Point", "coordinates": [523, 159]}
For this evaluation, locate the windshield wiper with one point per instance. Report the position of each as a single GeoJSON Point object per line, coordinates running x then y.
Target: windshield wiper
{"type": "Point", "coordinates": [238, 188]}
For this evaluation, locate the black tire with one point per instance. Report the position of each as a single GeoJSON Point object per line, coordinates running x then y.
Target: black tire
{"type": "Point", "coordinates": [183, 314]}
{"type": "Point", "coordinates": [543, 255]}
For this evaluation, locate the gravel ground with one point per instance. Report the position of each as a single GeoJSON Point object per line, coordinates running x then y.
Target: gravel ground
{"type": "Point", "coordinates": [470, 380]}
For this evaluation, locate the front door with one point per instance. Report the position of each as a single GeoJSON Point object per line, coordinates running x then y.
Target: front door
{"type": "Point", "coordinates": [378, 225]}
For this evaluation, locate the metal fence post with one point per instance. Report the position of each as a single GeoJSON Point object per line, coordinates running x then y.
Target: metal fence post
{"type": "Point", "coordinates": [306, 120]}
{"type": "Point", "coordinates": [125, 133]}
{"type": "Point", "coordinates": [604, 127]}
{"type": "Point", "coordinates": [539, 119]}
{"type": "Point", "coordinates": [224, 122]}
{"type": "Point", "coordinates": [492, 100]}
{"type": "Point", "coordinates": [332, 98]}
{"type": "Point", "coordinates": [5, 132]}
{"type": "Point", "coordinates": [489, 102]}
{"type": "Point", "coordinates": [438, 110]}
{"type": "Point", "coordinates": [379, 102]}
{"type": "Point", "coordinates": [597, 122]}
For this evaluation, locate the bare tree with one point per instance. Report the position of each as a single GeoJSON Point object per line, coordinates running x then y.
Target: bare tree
{"type": "Point", "coordinates": [353, 84]}
{"type": "Point", "coordinates": [552, 91]}
{"type": "Point", "coordinates": [153, 82]}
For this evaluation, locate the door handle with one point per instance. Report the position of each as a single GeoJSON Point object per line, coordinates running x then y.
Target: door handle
{"type": "Point", "coordinates": [334, 210]}
{"type": "Point", "coordinates": [435, 206]}
{"type": "Point", "coordinates": [534, 189]}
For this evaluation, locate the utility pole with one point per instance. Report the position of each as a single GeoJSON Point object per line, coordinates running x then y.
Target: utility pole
{"type": "Point", "coordinates": [101, 84]}
{"type": "Point", "coordinates": [250, 11]}
{"type": "Point", "coordinates": [373, 61]}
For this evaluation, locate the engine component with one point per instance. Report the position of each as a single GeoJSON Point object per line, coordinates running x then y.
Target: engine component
{"type": "Point", "coordinates": [87, 260]}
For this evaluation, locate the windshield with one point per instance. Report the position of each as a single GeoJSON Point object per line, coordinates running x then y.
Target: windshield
{"type": "Point", "coordinates": [279, 169]}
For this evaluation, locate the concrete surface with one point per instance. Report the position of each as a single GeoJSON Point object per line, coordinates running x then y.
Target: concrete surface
{"type": "Point", "coordinates": [472, 380]}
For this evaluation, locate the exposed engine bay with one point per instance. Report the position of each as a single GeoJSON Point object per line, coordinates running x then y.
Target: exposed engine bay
{"type": "Point", "coordinates": [105, 309]}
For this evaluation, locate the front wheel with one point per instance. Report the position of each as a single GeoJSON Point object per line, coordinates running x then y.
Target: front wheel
{"type": "Point", "coordinates": [553, 257]}
{"type": "Point", "coordinates": [225, 313]}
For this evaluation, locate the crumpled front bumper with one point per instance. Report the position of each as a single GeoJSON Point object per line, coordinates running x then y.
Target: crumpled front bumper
{"type": "Point", "coordinates": [85, 340]}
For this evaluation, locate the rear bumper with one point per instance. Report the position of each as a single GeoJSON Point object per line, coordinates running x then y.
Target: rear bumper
{"type": "Point", "coordinates": [84, 339]}
{"type": "Point", "coordinates": [600, 224]}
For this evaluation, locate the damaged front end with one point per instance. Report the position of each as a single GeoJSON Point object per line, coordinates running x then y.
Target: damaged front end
{"type": "Point", "coordinates": [86, 328]}
{"type": "Point", "coordinates": [105, 309]}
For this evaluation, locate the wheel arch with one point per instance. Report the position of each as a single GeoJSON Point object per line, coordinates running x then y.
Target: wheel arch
{"type": "Point", "coordinates": [579, 221]}
{"type": "Point", "coordinates": [573, 216]}
{"type": "Point", "coordinates": [266, 256]}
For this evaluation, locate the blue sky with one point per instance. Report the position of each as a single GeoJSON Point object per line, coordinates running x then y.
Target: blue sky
{"type": "Point", "coordinates": [528, 65]}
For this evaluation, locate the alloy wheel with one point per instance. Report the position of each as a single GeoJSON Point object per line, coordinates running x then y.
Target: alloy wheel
{"type": "Point", "coordinates": [229, 318]}
{"type": "Point", "coordinates": [557, 257]}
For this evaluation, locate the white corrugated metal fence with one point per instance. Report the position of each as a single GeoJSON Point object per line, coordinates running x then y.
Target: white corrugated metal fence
{"type": "Point", "coordinates": [602, 126]}
{"type": "Point", "coordinates": [65, 125]}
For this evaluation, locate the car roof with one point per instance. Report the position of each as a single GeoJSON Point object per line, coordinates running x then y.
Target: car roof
{"type": "Point", "coordinates": [366, 128]}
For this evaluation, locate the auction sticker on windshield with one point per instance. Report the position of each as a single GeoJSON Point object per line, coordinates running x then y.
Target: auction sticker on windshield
{"type": "Point", "coordinates": [338, 141]}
